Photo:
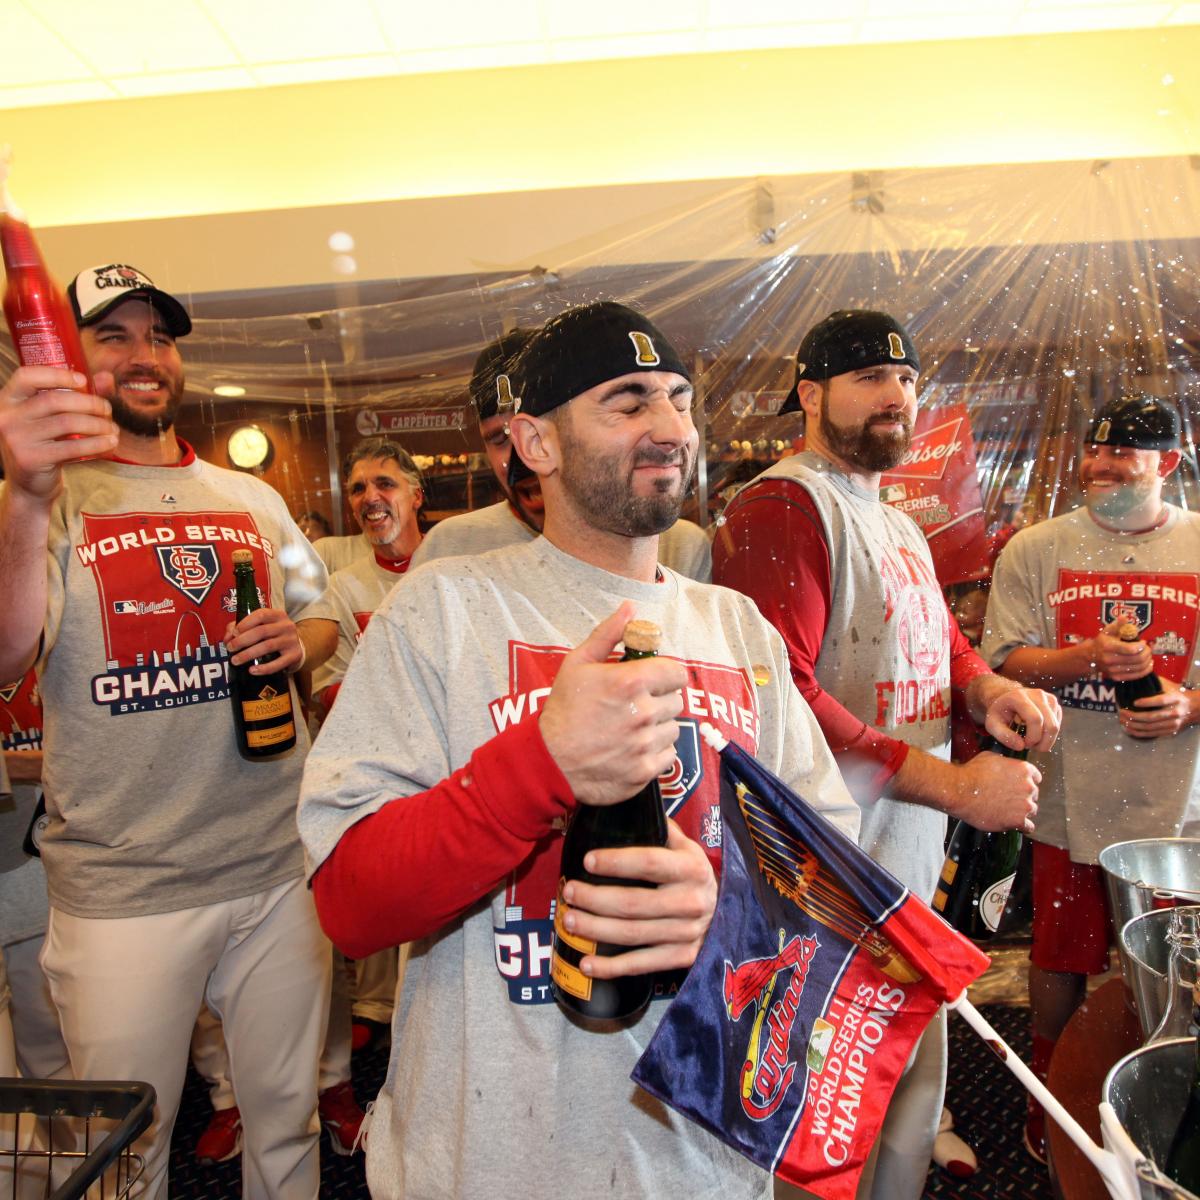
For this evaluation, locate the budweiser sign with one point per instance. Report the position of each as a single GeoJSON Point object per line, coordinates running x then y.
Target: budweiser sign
{"type": "Point", "coordinates": [929, 453]}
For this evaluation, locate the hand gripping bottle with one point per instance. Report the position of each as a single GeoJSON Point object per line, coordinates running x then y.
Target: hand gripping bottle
{"type": "Point", "coordinates": [978, 873]}
{"type": "Point", "coordinates": [1130, 691]}
{"type": "Point", "coordinates": [638, 821]}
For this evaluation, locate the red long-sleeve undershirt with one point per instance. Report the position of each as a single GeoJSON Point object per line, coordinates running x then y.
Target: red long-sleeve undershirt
{"type": "Point", "coordinates": [417, 863]}
{"type": "Point", "coordinates": [772, 547]}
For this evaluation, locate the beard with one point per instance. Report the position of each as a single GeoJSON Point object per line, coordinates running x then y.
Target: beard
{"type": "Point", "coordinates": [1114, 504]}
{"type": "Point", "coordinates": [601, 489]}
{"type": "Point", "coordinates": [146, 424]}
{"type": "Point", "coordinates": [865, 447]}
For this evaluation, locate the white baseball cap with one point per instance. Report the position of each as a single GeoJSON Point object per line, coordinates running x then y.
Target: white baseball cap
{"type": "Point", "coordinates": [97, 290]}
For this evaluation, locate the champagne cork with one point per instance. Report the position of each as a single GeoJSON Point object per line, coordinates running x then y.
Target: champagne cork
{"type": "Point", "coordinates": [242, 556]}
{"type": "Point", "coordinates": [1127, 631]}
{"type": "Point", "coordinates": [643, 636]}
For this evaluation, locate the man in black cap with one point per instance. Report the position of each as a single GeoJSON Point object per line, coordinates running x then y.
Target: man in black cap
{"type": "Point", "coordinates": [849, 582]}
{"type": "Point", "coordinates": [172, 864]}
{"type": "Point", "coordinates": [1061, 592]}
{"type": "Point", "coordinates": [466, 733]}
{"type": "Point", "coordinates": [519, 516]}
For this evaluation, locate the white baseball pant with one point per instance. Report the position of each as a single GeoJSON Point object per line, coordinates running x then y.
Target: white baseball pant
{"type": "Point", "coordinates": [41, 1051]}
{"type": "Point", "coordinates": [210, 1055]}
{"type": "Point", "coordinates": [128, 990]}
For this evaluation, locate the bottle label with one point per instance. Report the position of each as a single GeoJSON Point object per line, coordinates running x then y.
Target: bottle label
{"type": "Point", "coordinates": [257, 738]}
{"type": "Point", "coordinates": [939, 898]}
{"type": "Point", "coordinates": [572, 980]}
{"type": "Point", "coordinates": [562, 932]}
{"type": "Point", "coordinates": [993, 900]}
{"type": "Point", "coordinates": [273, 704]}
{"type": "Point", "coordinates": [566, 974]}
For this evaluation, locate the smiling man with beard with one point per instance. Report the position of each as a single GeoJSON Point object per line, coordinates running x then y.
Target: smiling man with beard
{"type": "Point", "coordinates": [482, 707]}
{"type": "Point", "coordinates": [163, 847]}
{"type": "Point", "coordinates": [849, 582]}
{"type": "Point", "coordinates": [1060, 591]}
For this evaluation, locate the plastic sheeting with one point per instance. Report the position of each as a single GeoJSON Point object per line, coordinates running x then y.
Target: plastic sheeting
{"type": "Point", "coordinates": [1035, 293]}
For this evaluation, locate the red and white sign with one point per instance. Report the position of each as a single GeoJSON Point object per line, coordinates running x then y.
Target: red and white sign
{"type": "Point", "coordinates": [937, 485]}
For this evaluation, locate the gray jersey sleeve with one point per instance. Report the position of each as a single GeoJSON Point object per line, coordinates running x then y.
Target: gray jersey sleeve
{"type": "Point", "coordinates": [1013, 612]}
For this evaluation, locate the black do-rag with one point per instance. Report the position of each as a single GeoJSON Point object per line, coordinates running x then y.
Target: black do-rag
{"type": "Point", "coordinates": [850, 340]}
{"type": "Point", "coordinates": [492, 385]}
{"type": "Point", "coordinates": [582, 348]}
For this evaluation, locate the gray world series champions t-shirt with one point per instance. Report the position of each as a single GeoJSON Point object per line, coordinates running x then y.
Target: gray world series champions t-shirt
{"type": "Point", "coordinates": [152, 809]}
{"type": "Point", "coordinates": [490, 1088]}
{"type": "Point", "coordinates": [1061, 582]}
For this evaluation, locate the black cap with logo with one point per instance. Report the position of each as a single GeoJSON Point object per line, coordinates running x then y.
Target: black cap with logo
{"type": "Point", "coordinates": [492, 389]}
{"type": "Point", "coordinates": [849, 340]}
{"type": "Point", "coordinates": [98, 290]}
{"type": "Point", "coordinates": [582, 348]}
{"type": "Point", "coordinates": [1139, 422]}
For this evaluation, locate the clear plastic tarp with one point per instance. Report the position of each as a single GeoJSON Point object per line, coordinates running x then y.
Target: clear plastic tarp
{"type": "Point", "coordinates": [1035, 292]}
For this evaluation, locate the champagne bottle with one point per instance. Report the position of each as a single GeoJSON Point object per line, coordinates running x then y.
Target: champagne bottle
{"type": "Point", "coordinates": [1129, 691]}
{"type": "Point", "coordinates": [638, 821]}
{"type": "Point", "coordinates": [262, 704]}
{"type": "Point", "coordinates": [979, 869]}
{"type": "Point", "coordinates": [1183, 1157]}
{"type": "Point", "coordinates": [40, 320]}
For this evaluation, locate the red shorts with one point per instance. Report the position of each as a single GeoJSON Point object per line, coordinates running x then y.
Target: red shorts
{"type": "Point", "coordinates": [1072, 930]}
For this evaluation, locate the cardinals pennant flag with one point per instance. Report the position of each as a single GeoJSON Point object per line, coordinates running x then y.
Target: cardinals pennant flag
{"type": "Point", "coordinates": [819, 973]}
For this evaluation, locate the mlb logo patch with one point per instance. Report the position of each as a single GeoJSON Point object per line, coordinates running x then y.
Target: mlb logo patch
{"type": "Point", "coordinates": [191, 569]}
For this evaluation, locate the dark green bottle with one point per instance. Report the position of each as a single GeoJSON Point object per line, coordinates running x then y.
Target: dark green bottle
{"type": "Point", "coordinates": [262, 704]}
{"type": "Point", "coordinates": [1183, 1158]}
{"type": "Point", "coordinates": [638, 821]}
{"type": "Point", "coordinates": [1130, 691]}
{"type": "Point", "coordinates": [979, 869]}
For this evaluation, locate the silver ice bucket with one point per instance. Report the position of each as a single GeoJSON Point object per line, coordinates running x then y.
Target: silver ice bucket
{"type": "Point", "coordinates": [1147, 1091]}
{"type": "Point", "coordinates": [1145, 956]}
{"type": "Point", "coordinates": [1135, 871]}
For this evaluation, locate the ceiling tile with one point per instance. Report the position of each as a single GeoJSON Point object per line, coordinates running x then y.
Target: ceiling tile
{"type": "Point", "coordinates": [749, 13]}
{"type": "Point", "coordinates": [34, 53]}
{"type": "Point", "coordinates": [644, 46]}
{"type": "Point", "coordinates": [323, 70]}
{"type": "Point", "coordinates": [449, 23]}
{"type": "Point", "coordinates": [178, 82]}
{"type": "Point", "coordinates": [620, 18]}
{"type": "Point", "coordinates": [130, 37]}
{"type": "Point", "coordinates": [472, 58]}
{"type": "Point", "coordinates": [771, 37]}
{"type": "Point", "coordinates": [264, 31]}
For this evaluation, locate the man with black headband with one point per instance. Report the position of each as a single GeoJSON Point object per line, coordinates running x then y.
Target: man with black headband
{"type": "Point", "coordinates": [519, 516]}
{"type": "Point", "coordinates": [850, 584]}
{"type": "Point", "coordinates": [482, 706]}
{"type": "Point", "coordinates": [1061, 591]}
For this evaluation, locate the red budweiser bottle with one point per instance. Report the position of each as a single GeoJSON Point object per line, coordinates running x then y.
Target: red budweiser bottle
{"type": "Point", "coordinates": [40, 321]}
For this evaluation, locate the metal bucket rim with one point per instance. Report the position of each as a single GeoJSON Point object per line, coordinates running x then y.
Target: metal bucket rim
{"type": "Point", "coordinates": [1154, 1046]}
{"type": "Point", "coordinates": [1141, 884]}
{"type": "Point", "coordinates": [1154, 1177]}
{"type": "Point", "coordinates": [1154, 912]}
